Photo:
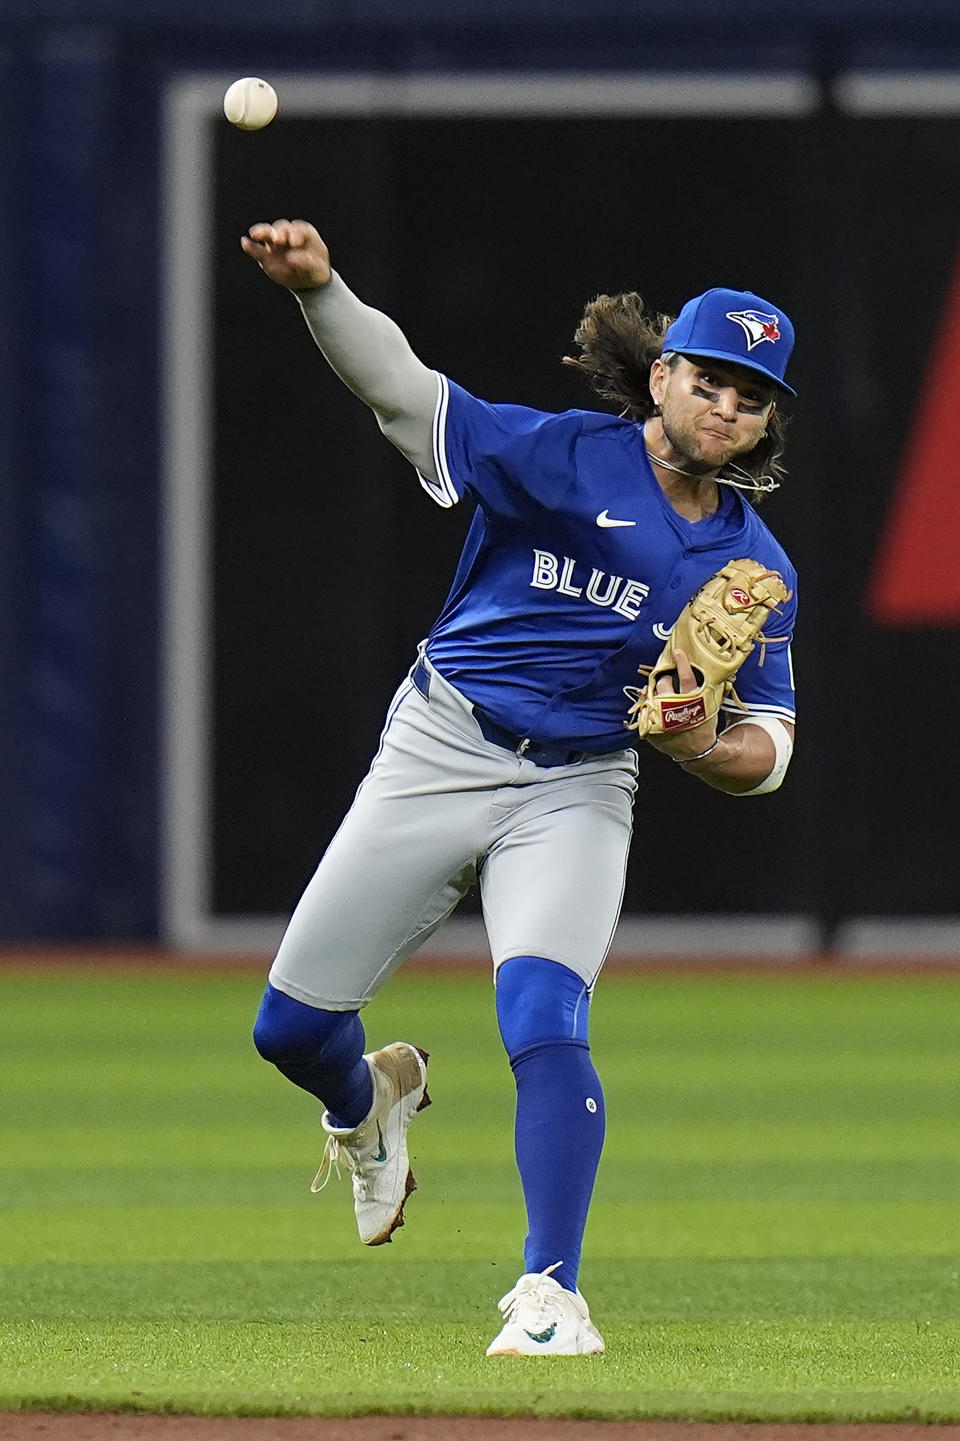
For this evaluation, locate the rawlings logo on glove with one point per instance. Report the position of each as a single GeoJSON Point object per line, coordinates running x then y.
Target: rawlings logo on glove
{"type": "Point", "coordinates": [681, 714]}
{"type": "Point", "coordinates": [717, 630]}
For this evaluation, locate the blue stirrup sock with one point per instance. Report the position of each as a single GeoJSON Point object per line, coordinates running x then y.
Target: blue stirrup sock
{"type": "Point", "coordinates": [320, 1051]}
{"type": "Point", "coordinates": [542, 1011]}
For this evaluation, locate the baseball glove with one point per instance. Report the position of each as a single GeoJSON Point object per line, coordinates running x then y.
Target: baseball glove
{"type": "Point", "coordinates": [717, 630]}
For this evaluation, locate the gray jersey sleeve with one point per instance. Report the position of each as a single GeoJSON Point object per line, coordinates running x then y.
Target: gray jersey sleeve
{"type": "Point", "coordinates": [372, 356]}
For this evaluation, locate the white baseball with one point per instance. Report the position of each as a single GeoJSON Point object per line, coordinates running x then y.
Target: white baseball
{"type": "Point", "coordinates": [250, 104]}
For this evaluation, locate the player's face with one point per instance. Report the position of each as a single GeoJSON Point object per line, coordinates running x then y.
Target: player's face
{"type": "Point", "coordinates": [711, 412]}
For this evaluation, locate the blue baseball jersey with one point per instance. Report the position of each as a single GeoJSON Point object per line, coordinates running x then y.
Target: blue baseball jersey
{"type": "Point", "coordinates": [575, 568]}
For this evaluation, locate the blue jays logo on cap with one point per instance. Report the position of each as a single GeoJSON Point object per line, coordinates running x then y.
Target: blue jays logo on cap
{"type": "Point", "coordinates": [738, 326]}
{"type": "Point", "coordinates": [756, 327]}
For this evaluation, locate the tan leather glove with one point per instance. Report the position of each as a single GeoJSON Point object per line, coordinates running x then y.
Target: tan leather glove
{"type": "Point", "coordinates": [717, 630]}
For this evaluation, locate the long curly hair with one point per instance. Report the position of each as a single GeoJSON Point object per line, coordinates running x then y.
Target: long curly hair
{"type": "Point", "coordinates": [619, 339]}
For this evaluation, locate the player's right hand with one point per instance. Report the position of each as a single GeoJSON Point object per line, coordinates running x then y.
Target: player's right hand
{"type": "Point", "coordinates": [291, 252]}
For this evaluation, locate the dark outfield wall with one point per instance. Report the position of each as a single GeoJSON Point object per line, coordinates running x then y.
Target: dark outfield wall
{"type": "Point", "coordinates": [484, 240]}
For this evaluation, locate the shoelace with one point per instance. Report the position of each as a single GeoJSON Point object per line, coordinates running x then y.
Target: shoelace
{"type": "Point", "coordinates": [533, 1294]}
{"type": "Point", "coordinates": [333, 1154]}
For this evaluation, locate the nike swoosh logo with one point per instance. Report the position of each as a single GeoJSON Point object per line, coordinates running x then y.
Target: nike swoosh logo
{"type": "Point", "coordinates": [543, 1336]}
{"type": "Point", "coordinates": [382, 1153]}
{"type": "Point", "coordinates": [605, 519]}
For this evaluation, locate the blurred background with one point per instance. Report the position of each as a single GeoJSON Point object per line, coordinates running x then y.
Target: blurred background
{"type": "Point", "coordinates": [215, 571]}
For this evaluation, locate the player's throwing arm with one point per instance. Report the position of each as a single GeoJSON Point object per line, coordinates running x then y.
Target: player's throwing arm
{"type": "Point", "coordinates": [365, 348]}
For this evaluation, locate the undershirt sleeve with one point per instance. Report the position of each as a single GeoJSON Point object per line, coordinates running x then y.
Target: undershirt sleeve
{"type": "Point", "coordinates": [373, 358]}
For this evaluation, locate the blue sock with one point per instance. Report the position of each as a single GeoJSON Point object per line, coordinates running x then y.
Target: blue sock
{"type": "Point", "coordinates": [559, 1136]}
{"type": "Point", "coordinates": [320, 1051]}
{"type": "Point", "coordinates": [542, 1009]}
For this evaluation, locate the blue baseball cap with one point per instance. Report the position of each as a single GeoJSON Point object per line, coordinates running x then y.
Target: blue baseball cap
{"type": "Point", "coordinates": [738, 326]}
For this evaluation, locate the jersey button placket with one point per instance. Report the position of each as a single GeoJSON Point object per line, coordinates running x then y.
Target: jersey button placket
{"type": "Point", "coordinates": [685, 556]}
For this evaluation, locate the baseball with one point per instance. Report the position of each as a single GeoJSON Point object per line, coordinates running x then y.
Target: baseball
{"type": "Point", "coordinates": [250, 104]}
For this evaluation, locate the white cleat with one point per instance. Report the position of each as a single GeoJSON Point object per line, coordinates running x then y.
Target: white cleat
{"type": "Point", "coordinates": [542, 1319]}
{"type": "Point", "coordinates": [375, 1152]}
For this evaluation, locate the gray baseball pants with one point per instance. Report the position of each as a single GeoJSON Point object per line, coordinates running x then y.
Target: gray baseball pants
{"type": "Point", "coordinates": [441, 808]}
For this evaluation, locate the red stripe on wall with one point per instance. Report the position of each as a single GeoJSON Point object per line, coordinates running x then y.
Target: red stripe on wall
{"type": "Point", "coordinates": [916, 575]}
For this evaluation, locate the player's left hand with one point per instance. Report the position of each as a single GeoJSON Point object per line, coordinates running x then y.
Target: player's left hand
{"type": "Point", "coordinates": [698, 738]}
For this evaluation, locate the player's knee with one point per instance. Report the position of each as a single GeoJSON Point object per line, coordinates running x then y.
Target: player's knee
{"type": "Point", "coordinates": [540, 1002]}
{"type": "Point", "coordinates": [288, 1032]}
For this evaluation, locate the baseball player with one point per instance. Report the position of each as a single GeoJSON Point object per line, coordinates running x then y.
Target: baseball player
{"type": "Point", "coordinates": [505, 760]}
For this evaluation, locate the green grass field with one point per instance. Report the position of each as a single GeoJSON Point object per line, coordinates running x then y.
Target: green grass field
{"type": "Point", "coordinates": [775, 1235]}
